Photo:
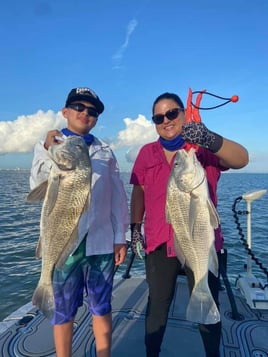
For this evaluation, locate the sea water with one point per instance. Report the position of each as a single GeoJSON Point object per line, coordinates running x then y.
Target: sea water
{"type": "Point", "coordinates": [19, 232]}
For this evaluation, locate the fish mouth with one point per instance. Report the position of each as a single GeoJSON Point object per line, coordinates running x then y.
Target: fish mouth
{"type": "Point", "coordinates": [63, 159]}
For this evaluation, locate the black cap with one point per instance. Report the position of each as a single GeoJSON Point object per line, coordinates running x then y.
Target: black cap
{"type": "Point", "coordinates": [86, 94]}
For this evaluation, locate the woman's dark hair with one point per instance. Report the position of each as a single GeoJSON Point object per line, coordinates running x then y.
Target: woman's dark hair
{"type": "Point", "coordinates": [172, 96]}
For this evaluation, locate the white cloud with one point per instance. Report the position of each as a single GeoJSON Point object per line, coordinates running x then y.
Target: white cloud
{"type": "Point", "coordinates": [132, 153]}
{"type": "Point", "coordinates": [137, 132]}
{"type": "Point", "coordinates": [118, 56]}
{"type": "Point", "coordinates": [20, 135]}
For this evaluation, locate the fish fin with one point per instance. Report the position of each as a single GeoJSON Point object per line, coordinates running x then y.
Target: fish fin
{"type": "Point", "coordinates": [52, 193]}
{"type": "Point", "coordinates": [43, 298]}
{"type": "Point", "coordinates": [192, 214]}
{"type": "Point", "coordinates": [168, 218]}
{"type": "Point", "coordinates": [214, 216]}
{"type": "Point", "coordinates": [87, 204]}
{"type": "Point", "coordinates": [180, 255]}
{"type": "Point", "coordinates": [68, 249]}
{"type": "Point", "coordinates": [38, 193]}
{"type": "Point", "coordinates": [168, 208]}
{"type": "Point", "coordinates": [38, 249]}
{"type": "Point", "coordinates": [202, 307]}
{"type": "Point", "coordinates": [213, 262]}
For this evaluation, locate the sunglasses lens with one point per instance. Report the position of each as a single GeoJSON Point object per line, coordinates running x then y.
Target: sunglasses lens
{"type": "Point", "coordinates": [158, 118]}
{"type": "Point", "coordinates": [79, 107]}
{"type": "Point", "coordinates": [172, 114]}
{"type": "Point", "coordinates": [92, 112]}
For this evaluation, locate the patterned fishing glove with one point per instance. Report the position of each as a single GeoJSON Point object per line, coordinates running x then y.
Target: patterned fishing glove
{"type": "Point", "coordinates": [137, 241]}
{"type": "Point", "coordinates": [198, 133]}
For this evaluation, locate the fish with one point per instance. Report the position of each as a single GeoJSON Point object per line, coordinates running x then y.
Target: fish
{"type": "Point", "coordinates": [66, 195]}
{"type": "Point", "coordinates": [193, 218]}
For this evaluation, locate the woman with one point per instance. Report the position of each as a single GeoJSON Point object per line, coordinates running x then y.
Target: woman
{"type": "Point", "coordinates": [149, 177]}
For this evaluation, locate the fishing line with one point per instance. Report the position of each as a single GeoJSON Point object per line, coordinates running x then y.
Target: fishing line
{"type": "Point", "coordinates": [233, 99]}
{"type": "Point", "coordinates": [242, 236]}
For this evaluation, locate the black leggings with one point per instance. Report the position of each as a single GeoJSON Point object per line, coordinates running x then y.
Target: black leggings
{"type": "Point", "coordinates": [161, 276]}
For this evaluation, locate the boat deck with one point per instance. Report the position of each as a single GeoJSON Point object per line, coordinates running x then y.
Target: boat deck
{"type": "Point", "coordinates": [30, 334]}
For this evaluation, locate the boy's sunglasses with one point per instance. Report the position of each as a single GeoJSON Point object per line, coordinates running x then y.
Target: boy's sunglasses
{"type": "Point", "coordinates": [79, 107]}
{"type": "Point", "coordinates": [170, 114]}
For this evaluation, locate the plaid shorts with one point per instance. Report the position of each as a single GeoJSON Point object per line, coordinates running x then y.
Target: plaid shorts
{"type": "Point", "coordinates": [94, 274]}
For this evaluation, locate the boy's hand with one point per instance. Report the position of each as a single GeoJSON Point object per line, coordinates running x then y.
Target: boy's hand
{"type": "Point", "coordinates": [120, 252]}
{"type": "Point", "coordinates": [53, 137]}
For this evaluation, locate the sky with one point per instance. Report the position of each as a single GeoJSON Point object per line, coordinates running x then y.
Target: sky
{"type": "Point", "coordinates": [129, 52]}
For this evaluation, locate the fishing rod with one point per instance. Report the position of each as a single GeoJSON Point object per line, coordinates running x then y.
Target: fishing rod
{"type": "Point", "coordinates": [249, 198]}
{"type": "Point", "coordinates": [254, 290]}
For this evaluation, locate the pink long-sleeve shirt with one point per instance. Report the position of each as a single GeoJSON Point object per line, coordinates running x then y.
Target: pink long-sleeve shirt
{"type": "Point", "coordinates": [151, 170]}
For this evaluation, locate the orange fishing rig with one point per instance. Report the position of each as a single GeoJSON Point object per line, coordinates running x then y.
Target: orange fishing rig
{"type": "Point", "coordinates": [192, 110]}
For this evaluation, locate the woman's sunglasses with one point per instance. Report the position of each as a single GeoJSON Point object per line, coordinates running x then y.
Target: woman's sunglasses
{"type": "Point", "coordinates": [79, 107]}
{"type": "Point", "coordinates": [170, 114]}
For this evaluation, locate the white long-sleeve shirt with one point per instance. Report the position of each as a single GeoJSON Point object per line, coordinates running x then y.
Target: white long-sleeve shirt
{"type": "Point", "coordinates": [107, 219]}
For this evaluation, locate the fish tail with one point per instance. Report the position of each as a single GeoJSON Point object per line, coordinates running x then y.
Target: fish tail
{"type": "Point", "coordinates": [43, 298]}
{"type": "Point", "coordinates": [202, 308]}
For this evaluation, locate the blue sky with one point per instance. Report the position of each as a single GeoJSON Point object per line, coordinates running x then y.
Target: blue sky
{"type": "Point", "coordinates": [129, 52]}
